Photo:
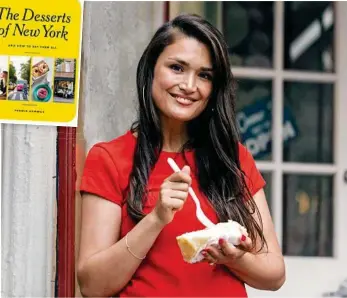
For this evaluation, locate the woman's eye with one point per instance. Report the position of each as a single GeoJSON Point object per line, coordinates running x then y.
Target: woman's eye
{"type": "Point", "coordinates": [206, 76]}
{"type": "Point", "coordinates": [176, 67]}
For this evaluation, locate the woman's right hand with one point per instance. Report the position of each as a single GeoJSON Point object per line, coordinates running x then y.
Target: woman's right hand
{"type": "Point", "coordinates": [172, 196]}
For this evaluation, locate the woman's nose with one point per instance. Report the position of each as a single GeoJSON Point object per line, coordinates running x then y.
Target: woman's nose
{"type": "Point", "coordinates": [189, 84]}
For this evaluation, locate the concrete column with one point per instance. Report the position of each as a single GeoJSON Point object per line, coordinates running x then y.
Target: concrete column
{"type": "Point", "coordinates": [28, 213]}
{"type": "Point", "coordinates": [114, 36]}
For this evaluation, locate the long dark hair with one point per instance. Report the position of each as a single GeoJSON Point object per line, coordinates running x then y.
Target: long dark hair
{"type": "Point", "coordinates": [213, 134]}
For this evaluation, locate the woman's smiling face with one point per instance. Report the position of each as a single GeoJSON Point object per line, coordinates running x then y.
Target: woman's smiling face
{"type": "Point", "coordinates": [182, 80]}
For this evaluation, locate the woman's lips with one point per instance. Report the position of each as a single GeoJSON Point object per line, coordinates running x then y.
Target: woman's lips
{"type": "Point", "coordinates": [183, 101]}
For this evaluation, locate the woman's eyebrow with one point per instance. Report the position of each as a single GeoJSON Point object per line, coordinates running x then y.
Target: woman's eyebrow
{"type": "Point", "coordinates": [185, 63]}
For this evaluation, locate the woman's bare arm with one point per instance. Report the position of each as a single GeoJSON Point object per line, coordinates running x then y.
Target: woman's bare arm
{"type": "Point", "coordinates": [264, 270]}
{"type": "Point", "coordinates": [105, 265]}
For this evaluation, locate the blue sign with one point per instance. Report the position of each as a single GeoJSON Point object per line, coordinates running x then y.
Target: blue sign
{"type": "Point", "coordinates": [255, 127]}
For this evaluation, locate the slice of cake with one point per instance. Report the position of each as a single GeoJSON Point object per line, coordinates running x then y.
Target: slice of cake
{"type": "Point", "coordinates": [191, 244]}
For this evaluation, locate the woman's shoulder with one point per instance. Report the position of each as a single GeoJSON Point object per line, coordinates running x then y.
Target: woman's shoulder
{"type": "Point", "coordinates": [244, 153]}
{"type": "Point", "coordinates": [122, 146]}
{"type": "Point", "coordinates": [247, 162]}
{"type": "Point", "coordinates": [107, 168]}
{"type": "Point", "coordinates": [254, 179]}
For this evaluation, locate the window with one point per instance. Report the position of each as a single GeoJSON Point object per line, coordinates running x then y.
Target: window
{"type": "Point", "coordinates": [282, 56]}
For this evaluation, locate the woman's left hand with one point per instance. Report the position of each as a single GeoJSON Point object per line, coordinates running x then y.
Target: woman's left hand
{"type": "Point", "coordinates": [226, 254]}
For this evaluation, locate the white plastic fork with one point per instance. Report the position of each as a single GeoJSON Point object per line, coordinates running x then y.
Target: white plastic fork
{"type": "Point", "coordinates": [199, 213]}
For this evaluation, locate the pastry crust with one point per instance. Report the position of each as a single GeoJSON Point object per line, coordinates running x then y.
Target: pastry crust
{"type": "Point", "coordinates": [188, 248]}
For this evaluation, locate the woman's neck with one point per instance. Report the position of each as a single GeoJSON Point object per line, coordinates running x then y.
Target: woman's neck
{"type": "Point", "coordinates": [174, 136]}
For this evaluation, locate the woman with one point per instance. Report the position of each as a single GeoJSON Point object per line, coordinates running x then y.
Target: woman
{"type": "Point", "coordinates": [134, 206]}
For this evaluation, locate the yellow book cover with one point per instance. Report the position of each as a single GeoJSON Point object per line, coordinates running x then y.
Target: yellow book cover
{"type": "Point", "coordinates": [40, 46]}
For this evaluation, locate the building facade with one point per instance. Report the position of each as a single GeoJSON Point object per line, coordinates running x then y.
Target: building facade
{"type": "Point", "coordinates": [289, 61]}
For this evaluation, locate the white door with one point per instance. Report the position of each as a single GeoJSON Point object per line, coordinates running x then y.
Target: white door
{"type": "Point", "coordinates": [290, 61]}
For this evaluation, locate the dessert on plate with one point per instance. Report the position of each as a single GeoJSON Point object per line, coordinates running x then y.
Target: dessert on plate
{"type": "Point", "coordinates": [39, 69]}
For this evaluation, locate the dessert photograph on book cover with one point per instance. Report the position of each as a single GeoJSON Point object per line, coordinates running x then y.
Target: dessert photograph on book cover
{"type": "Point", "coordinates": [42, 79]}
